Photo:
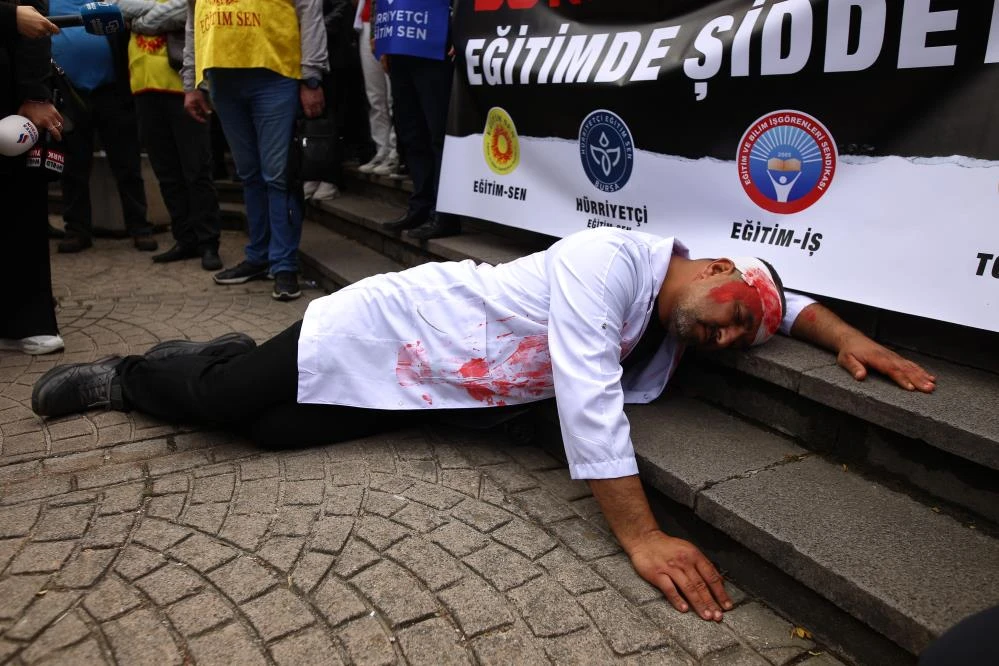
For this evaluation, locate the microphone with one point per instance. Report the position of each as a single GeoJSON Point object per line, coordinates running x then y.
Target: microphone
{"type": "Point", "coordinates": [17, 135]}
{"type": "Point", "coordinates": [97, 18]}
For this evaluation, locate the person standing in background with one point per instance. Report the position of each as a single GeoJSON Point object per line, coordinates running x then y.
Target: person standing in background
{"type": "Point", "coordinates": [98, 69]}
{"type": "Point", "coordinates": [262, 65]}
{"type": "Point", "coordinates": [379, 92]}
{"type": "Point", "coordinates": [179, 147]}
{"type": "Point", "coordinates": [28, 323]}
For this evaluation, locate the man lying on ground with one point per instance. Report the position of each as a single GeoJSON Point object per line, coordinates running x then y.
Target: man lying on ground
{"type": "Point", "coordinates": [598, 320]}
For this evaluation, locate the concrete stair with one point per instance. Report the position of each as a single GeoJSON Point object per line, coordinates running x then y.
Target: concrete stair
{"type": "Point", "coordinates": [870, 510]}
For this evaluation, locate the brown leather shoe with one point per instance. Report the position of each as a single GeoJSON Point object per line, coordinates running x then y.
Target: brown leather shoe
{"type": "Point", "coordinates": [410, 220]}
{"type": "Point", "coordinates": [145, 243]}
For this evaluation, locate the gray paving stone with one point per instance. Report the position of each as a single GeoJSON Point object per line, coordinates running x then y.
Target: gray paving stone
{"type": "Point", "coordinates": [310, 647]}
{"type": "Point", "coordinates": [87, 652]}
{"type": "Point", "coordinates": [419, 517]}
{"type": "Point", "coordinates": [213, 489]}
{"type": "Point", "coordinates": [421, 470]}
{"type": "Point", "coordinates": [697, 636]}
{"type": "Point", "coordinates": [343, 500]}
{"type": "Point", "coordinates": [465, 481]}
{"type": "Point", "coordinates": [581, 538]}
{"type": "Point", "coordinates": [766, 633]}
{"type": "Point", "coordinates": [310, 569]}
{"type": "Point", "coordinates": [63, 632]}
{"type": "Point", "coordinates": [330, 534]}
{"type": "Point", "coordinates": [122, 498]}
{"type": "Point", "coordinates": [281, 552]}
{"type": "Point", "coordinates": [511, 477]}
{"type": "Point", "coordinates": [337, 602]}
{"type": "Point", "coordinates": [245, 531]}
{"type": "Point", "coordinates": [547, 608]}
{"type": "Point", "coordinates": [69, 522]}
{"type": "Point", "coordinates": [625, 628]}
{"type": "Point", "coordinates": [542, 506]}
{"type": "Point", "coordinates": [257, 496]}
{"type": "Point", "coordinates": [84, 568]}
{"type": "Point", "coordinates": [230, 644]}
{"type": "Point", "coordinates": [476, 607]}
{"type": "Point", "coordinates": [8, 549]}
{"type": "Point", "coordinates": [559, 483]}
{"type": "Point", "coordinates": [395, 592]}
{"type": "Point", "coordinates": [277, 613]}
{"type": "Point", "coordinates": [432, 565]}
{"type": "Point", "coordinates": [303, 467]}
{"type": "Point", "coordinates": [167, 507]}
{"type": "Point", "coordinates": [379, 532]}
{"type": "Point", "coordinates": [508, 647]}
{"type": "Point", "coordinates": [205, 517]}
{"type": "Point", "coordinates": [136, 561]}
{"type": "Point", "coordinates": [294, 520]}
{"type": "Point", "coordinates": [570, 572]}
{"type": "Point", "coordinates": [734, 656]}
{"type": "Point", "coordinates": [17, 521]}
{"type": "Point", "coordinates": [581, 647]}
{"type": "Point", "coordinates": [480, 515]}
{"type": "Point", "coordinates": [433, 496]}
{"type": "Point", "coordinates": [355, 557]}
{"type": "Point", "coordinates": [17, 592]}
{"type": "Point", "coordinates": [826, 514]}
{"type": "Point", "coordinates": [108, 531]}
{"type": "Point", "coordinates": [261, 468]}
{"type": "Point", "coordinates": [140, 638]}
{"type": "Point", "coordinates": [307, 492]}
{"type": "Point", "coordinates": [383, 504]}
{"type": "Point", "coordinates": [433, 643]}
{"type": "Point", "coordinates": [526, 539]}
{"type": "Point", "coordinates": [40, 614]}
{"type": "Point", "coordinates": [502, 567]}
{"type": "Point", "coordinates": [202, 553]}
{"type": "Point", "coordinates": [159, 534]}
{"type": "Point", "coordinates": [41, 557]}
{"type": "Point", "coordinates": [535, 459]}
{"type": "Point", "coordinates": [242, 579]}
{"type": "Point", "coordinates": [366, 642]}
{"type": "Point", "coordinates": [194, 615]}
{"type": "Point", "coordinates": [170, 583]}
{"type": "Point", "coordinates": [458, 539]}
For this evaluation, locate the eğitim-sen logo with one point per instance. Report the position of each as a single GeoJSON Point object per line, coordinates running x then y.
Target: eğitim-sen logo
{"type": "Point", "coordinates": [787, 160]}
{"type": "Point", "coordinates": [606, 150]}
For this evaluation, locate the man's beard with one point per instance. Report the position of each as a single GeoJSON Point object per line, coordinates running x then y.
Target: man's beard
{"type": "Point", "coordinates": [683, 324]}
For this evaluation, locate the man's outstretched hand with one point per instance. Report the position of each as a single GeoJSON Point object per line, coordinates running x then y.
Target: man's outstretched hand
{"type": "Point", "coordinates": [855, 352]}
{"type": "Point", "coordinates": [682, 573]}
{"type": "Point", "coordinates": [858, 353]}
{"type": "Point", "coordinates": [676, 567]}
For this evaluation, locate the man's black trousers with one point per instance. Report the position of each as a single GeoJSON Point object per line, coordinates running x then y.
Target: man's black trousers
{"type": "Point", "coordinates": [250, 392]}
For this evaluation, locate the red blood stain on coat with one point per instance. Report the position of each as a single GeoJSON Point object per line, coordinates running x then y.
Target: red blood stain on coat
{"type": "Point", "coordinates": [413, 366]}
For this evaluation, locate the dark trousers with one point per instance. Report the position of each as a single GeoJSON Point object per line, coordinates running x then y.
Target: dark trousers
{"type": "Point", "coordinates": [421, 91]}
{"type": "Point", "coordinates": [26, 307]}
{"type": "Point", "coordinates": [110, 113]}
{"type": "Point", "coordinates": [179, 150]}
{"type": "Point", "coordinates": [337, 100]}
{"type": "Point", "coordinates": [254, 393]}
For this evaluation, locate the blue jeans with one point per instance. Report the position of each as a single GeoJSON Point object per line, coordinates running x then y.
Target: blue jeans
{"type": "Point", "coordinates": [257, 109]}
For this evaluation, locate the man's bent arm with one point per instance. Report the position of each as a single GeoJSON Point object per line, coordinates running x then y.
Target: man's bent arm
{"type": "Point", "coordinates": [673, 565]}
{"type": "Point", "coordinates": [855, 351]}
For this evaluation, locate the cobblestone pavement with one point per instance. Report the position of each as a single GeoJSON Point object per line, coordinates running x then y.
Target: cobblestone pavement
{"type": "Point", "coordinates": [125, 540]}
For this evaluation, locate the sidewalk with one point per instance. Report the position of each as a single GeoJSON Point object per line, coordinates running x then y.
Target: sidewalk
{"type": "Point", "coordinates": [125, 540]}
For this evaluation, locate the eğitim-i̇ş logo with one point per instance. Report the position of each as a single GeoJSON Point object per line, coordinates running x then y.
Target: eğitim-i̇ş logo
{"type": "Point", "coordinates": [787, 160]}
{"type": "Point", "coordinates": [606, 149]}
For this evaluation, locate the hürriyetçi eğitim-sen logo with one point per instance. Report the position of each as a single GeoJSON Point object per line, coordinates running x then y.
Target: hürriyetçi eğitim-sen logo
{"type": "Point", "coordinates": [606, 150]}
{"type": "Point", "coordinates": [500, 144]}
{"type": "Point", "coordinates": [786, 160]}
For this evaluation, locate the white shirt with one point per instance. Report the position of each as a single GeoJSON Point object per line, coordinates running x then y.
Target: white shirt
{"type": "Point", "coordinates": [459, 335]}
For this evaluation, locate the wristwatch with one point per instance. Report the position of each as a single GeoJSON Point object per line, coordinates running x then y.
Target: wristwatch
{"type": "Point", "coordinates": [311, 83]}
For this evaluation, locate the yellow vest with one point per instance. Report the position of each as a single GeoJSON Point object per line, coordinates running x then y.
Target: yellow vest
{"type": "Point", "coordinates": [148, 66]}
{"type": "Point", "coordinates": [245, 34]}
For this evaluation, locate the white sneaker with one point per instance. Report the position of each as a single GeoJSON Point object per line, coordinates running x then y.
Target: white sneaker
{"type": "Point", "coordinates": [326, 192]}
{"type": "Point", "coordinates": [34, 345]}
{"type": "Point", "coordinates": [368, 167]}
{"type": "Point", "coordinates": [388, 167]}
{"type": "Point", "coordinates": [309, 187]}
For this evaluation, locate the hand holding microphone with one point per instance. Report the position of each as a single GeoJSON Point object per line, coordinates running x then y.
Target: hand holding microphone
{"type": "Point", "coordinates": [97, 18]}
{"type": "Point", "coordinates": [17, 135]}
{"type": "Point", "coordinates": [33, 25]}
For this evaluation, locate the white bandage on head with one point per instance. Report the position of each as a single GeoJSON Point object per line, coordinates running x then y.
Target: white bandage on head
{"type": "Point", "coordinates": [769, 312]}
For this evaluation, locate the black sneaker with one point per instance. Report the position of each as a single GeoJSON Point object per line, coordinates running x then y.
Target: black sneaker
{"type": "Point", "coordinates": [210, 260]}
{"type": "Point", "coordinates": [286, 286]}
{"type": "Point", "coordinates": [240, 273]}
{"type": "Point", "coordinates": [77, 387]}
{"type": "Point", "coordinates": [172, 348]}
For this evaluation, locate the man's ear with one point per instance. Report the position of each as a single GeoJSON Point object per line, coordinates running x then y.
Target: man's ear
{"type": "Point", "coordinates": [719, 266]}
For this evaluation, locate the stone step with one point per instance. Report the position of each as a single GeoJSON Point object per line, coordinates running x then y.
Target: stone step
{"type": "Point", "coordinates": [890, 561]}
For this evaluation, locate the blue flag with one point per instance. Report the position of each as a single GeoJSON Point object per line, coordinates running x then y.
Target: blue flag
{"type": "Point", "coordinates": [411, 27]}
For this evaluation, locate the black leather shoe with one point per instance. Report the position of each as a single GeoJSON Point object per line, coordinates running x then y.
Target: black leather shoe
{"type": "Point", "coordinates": [438, 226]}
{"type": "Point", "coordinates": [172, 348]}
{"type": "Point", "coordinates": [176, 253]}
{"type": "Point", "coordinates": [77, 387]}
{"type": "Point", "coordinates": [145, 243]}
{"type": "Point", "coordinates": [210, 259]}
{"type": "Point", "coordinates": [410, 220]}
{"type": "Point", "coordinates": [73, 243]}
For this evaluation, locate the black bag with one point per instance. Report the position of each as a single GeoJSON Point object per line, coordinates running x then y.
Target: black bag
{"type": "Point", "coordinates": [175, 48]}
{"type": "Point", "coordinates": [315, 150]}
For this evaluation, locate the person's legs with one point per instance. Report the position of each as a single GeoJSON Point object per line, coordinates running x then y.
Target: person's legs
{"type": "Point", "coordinates": [114, 116]}
{"type": "Point", "coordinates": [79, 152]}
{"type": "Point", "coordinates": [234, 112]}
{"type": "Point", "coordinates": [413, 135]}
{"type": "Point", "coordinates": [376, 86]}
{"type": "Point", "coordinates": [157, 133]}
{"type": "Point", "coordinates": [433, 86]}
{"type": "Point", "coordinates": [230, 386]}
{"type": "Point", "coordinates": [194, 149]}
{"type": "Point", "coordinates": [274, 104]}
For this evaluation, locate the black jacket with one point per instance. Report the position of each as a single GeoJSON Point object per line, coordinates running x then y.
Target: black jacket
{"type": "Point", "coordinates": [24, 66]}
